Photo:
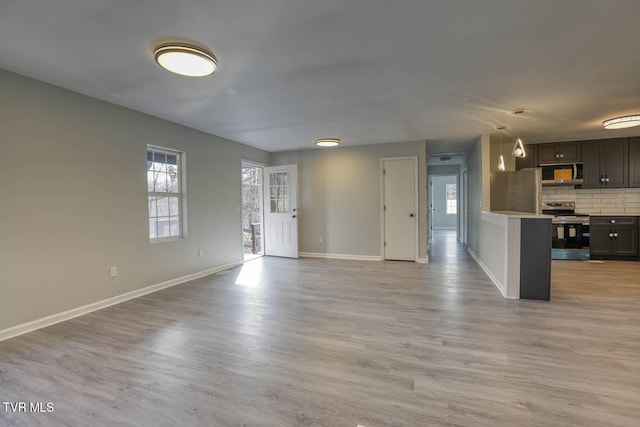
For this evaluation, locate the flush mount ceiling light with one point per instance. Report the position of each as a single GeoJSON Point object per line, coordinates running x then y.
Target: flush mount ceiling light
{"type": "Point", "coordinates": [518, 147]}
{"type": "Point", "coordinates": [328, 142]}
{"type": "Point", "coordinates": [622, 122]}
{"type": "Point", "coordinates": [186, 60]}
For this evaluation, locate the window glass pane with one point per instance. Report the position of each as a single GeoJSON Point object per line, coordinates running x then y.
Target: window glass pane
{"type": "Point", "coordinates": [172, 159]}
{"type": "Point", "coordinates": [174, 226]}
{"type": "Point", "coordinates": [160, 181]}
{"type": "Point", "coordinates": [285, 178]}
{"type": "Point", "coordinates": [172, 179]}
{"type": "Point", "coordinates": [174, 206]}
{"type": "Point", "coordinates": [273, 178]}
{"type": "Point", "coordinates": [451, 191]}
{"type": "Point", "coordinates": [285, 206]}
{"type": "Point", "coordinates": [160, 160]}
{"type": "Point", "coordinates": [163, 206]}
{"type": "Point", "coordinates": [152, 207]}
{"type": "Point", "coordinates": [280, 206]}
{"type": "Point", "coordinates": [152, 228]}
{"type": "Point", "coordinates": [150, 180]}
{"type": "Point", "coordinates": [163, 227]}
{"type": "Point", "coordinates": [273, 193]}
{"type": "Point", "coordinates": [274, 207]}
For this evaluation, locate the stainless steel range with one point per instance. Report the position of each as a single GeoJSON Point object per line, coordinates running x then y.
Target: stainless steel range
{"type": "Point", "coordinates": [570, 237]}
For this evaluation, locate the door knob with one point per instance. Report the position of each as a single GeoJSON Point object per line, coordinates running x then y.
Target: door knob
{"type": "Point", "coordinates": [610, 235]}
{"type": "Point", "coordinates": [293, 216]}
{"type": "Point", "coordinates": [615, 235]}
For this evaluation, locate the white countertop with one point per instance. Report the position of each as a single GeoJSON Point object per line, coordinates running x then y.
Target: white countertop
{"type": "Point", "coordinates": [613, 215]}
{"type": "Point", "coordinates": [516, 214]}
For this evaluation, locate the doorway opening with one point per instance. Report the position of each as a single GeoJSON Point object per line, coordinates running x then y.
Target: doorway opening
{"type": "Point", "coordinates": [252, 217]}
{"type": "Point", "coordinates": [443, 202]}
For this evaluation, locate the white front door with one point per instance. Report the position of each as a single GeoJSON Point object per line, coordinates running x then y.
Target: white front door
{"type": "Point", "coordinates": [280, 211]}
{"type": "Point", "coordinates": [400, 208]}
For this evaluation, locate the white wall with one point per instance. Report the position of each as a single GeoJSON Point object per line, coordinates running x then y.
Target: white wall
{"type": "Point", "coordinates": [441, 219]}
{"type": "Point", "coordinates": [339, 196]}
{"type": "Point", "coordinates": [74, 200]}
{"type": "Point", "coordinates": [479, 195]}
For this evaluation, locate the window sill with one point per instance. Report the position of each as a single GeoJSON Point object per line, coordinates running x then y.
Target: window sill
{"type": "Point", "coordinates": [165, 239]}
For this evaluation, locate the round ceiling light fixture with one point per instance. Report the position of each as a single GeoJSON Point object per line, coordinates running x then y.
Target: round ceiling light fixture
{"type": "Point", "coordinates": [328, 142]}
{"type": "Point", "coordinates": [622, 122]}
{"type": "Point", "coordinates": [190, 61]}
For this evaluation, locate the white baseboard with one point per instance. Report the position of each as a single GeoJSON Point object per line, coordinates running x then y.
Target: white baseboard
{"type": "Point", "coordinates": [85, 309]}
{"type": "Point", "coordinates": [423, 260]}
{"type": "Point", "coordinates": [340, 256]}
{"type": "Point", "coordinates": [493, 278]}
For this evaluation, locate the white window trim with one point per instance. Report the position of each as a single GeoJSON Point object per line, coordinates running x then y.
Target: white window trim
{"type": "Point", "coordinates": [182, 205]}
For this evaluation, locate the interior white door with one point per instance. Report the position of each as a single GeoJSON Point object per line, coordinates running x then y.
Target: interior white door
{"type": "Point", "coordinates": [400, 209]}
{"type": "Point", "coordinates": [280, 211]}
{"type": "Point", "coordinates": [430, 215]}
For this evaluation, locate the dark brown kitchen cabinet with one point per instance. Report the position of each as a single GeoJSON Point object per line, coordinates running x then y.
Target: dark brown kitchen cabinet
{"type": "Point", "coordinates": [613, 237]}
{"type": "Point", "coordinates": [606, 163]}
{"type": "Point", "coordinates": [531, 160]}
{"type": "Point", "coordinates": [560, 152]}
{"type": "Point", "coordinates": [634, 162]}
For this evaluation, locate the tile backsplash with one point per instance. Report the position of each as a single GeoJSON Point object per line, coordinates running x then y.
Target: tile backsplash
{"type": "Point", "coordinates": [606, 201]}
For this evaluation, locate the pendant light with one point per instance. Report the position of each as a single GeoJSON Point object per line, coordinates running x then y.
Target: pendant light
{"type": "Point", "coordinates": [518, 147]}
{"type": "Point", "coordinates": [501, 165]}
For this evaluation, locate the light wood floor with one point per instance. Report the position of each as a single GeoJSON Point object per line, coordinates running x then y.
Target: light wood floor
{"type": "Point", "coordinates": [314, 342]}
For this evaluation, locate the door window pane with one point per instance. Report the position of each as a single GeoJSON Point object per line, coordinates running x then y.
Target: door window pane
{"type": "Point", "coordinates": [279, 192]}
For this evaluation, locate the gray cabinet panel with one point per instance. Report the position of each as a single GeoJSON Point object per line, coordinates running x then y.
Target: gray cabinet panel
{"type": "Point", "coordinates": [634, 162]}
{"type": "Point", "coordinates": [606, 163]}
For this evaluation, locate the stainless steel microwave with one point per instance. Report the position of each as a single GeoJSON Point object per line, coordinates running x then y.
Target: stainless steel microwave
{"type": "Point", "coordinates": [562, 174]}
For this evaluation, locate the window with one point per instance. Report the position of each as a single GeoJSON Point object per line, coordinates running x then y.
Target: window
{"type": "Point", "coordinates": [452, 203]}
{"type": "Point", "coordinates": [279, 192]}
{"type": "Point", "coordinates": [164, 187]}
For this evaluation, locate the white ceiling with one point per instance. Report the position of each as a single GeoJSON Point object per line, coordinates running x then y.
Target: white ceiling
{"type": "Point", "coordinates": [367, 71]}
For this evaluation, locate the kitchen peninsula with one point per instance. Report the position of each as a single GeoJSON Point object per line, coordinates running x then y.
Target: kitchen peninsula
{"type": "Point", "coordinates": [516, 248]}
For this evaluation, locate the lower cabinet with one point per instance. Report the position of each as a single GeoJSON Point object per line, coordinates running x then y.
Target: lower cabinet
{"type": "Point", "coordinates": [613, 237]}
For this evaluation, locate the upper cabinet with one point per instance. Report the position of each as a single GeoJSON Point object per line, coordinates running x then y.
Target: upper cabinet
{"type": "Point", "coordinates": [606, 163]}
{"type": "Point", "coordinates": [634, 162]}
{"type": "Point", "coordinates": [531, 160]}
{"type": "Point", "coordinates": [560, 152]}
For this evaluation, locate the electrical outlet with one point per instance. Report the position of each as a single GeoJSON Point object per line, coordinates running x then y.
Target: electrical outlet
{"type": "Point", "coordinates": [114, 271]}
{"type": "Point", "coordinates": [201, 253]}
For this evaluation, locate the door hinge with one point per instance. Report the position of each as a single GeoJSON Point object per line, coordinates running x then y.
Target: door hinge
{"type": "Point", "coordinates": [384, 243]}
{"type": "Point", "coordinates": [384, 171]}
{"type": "Point", "coordinates": [384, 208]}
